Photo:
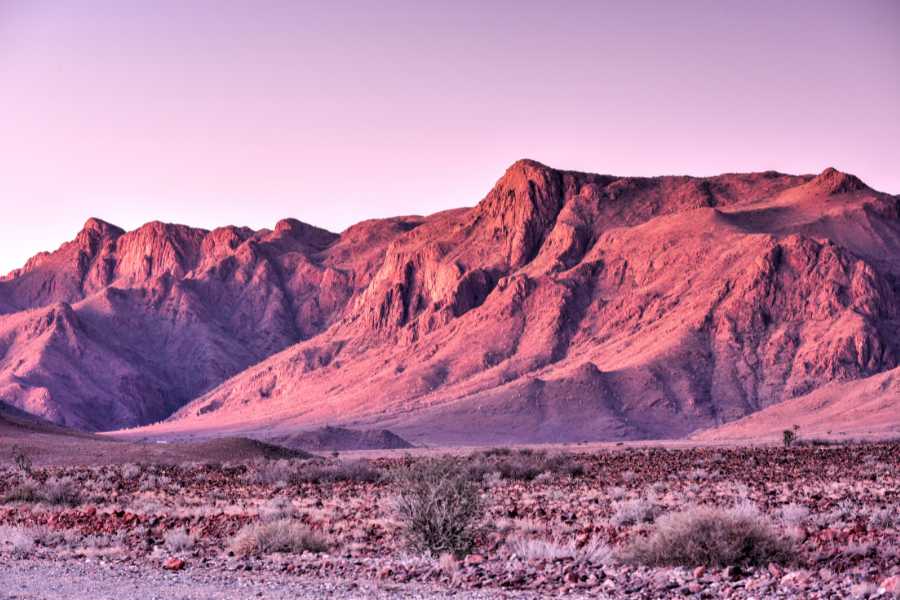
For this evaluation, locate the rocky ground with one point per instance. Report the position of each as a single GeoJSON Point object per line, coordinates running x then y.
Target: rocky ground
{"type": "Point", "coordinates": [553, 524]}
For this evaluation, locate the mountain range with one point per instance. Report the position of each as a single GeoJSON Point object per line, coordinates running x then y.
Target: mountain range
{"type": "Point", "coordinates": [564, 306]}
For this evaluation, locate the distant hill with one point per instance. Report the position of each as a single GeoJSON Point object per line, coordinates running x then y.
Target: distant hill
{"type": "Point", "coordinates": [340, 438]}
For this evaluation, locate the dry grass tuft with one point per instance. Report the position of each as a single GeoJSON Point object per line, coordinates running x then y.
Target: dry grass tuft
{"type": "Point", "coordinates": [708, 536]}
{"type": "Point", "coordinates": [284, 536]}
{"type": "Point", "coordinates": [62, 491]}
{"type": "Point", "coordinates": [632, 512]}
{"type": "Point", "coordinates": [546, 549]}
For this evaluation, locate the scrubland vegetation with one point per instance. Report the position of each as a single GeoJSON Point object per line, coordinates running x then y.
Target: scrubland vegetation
{"type": "Point", "coordinates": [801, 520]}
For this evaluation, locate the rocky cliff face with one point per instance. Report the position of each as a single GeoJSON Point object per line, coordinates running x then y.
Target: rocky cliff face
{"type": "Point", "coordinates": [563, 306]}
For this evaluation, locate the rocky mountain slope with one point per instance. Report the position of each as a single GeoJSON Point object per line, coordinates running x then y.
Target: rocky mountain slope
{"type": "Point", "coordinates": [860, 408]}
{"type": "Point", "coordinates": [118, 329]}
{"type": "Point", "coordinates": [564, 306]}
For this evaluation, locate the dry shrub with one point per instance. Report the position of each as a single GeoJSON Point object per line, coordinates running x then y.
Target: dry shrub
{"type": "Point", "coordinates": [61, 491]}
{"type": "Point", "coordinates": [23, 492]}
{"type": "Point", "coordinates": [439, 505]}
{"type": "Point", "coordinates": [632, 512]}
{"type": "Point", "coordinates": [22, 460]}
{"type": "Point", "coordinates": [498, 451]}
{"type": "Point", "coordinates": [285, 536]}
{"type": "Point", "coordinates": [794, 514]}
{"type": "Point", "coordinates": [277, 508]}
{"type": "Point", "coordinates": [17, 540]}
{"type": "Point", "coordinates": [524, 465]}
{"type": "Point", "coordinates": [178, 540]}
{"type": "Point", "coordinates": [131, 471]}
{"type": "Point", "coordinates": [701, 535]}
{"type": "Point", "coordinates": [271, 472]}
{"type": "Point", "coordinates": [884, 518]}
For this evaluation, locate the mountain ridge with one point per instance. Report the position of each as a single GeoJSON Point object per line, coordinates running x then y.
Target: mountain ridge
{"type": "Point", "coordinates": [564, 305]}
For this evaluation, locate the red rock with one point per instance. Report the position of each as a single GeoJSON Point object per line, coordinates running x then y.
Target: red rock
{"type": "Point", "coordinates": [474, 559]}
{"type": "Point", "coordinates": [174, 564]}
{"type": "Point", "coordinates": [796, 578]}
{"type": "Point", "coordinates": [891, 584]}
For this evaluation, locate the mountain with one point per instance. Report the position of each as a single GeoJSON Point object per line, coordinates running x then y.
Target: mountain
{"type": "Point", "coordinates": [119, 329]}
{"type": "Point", "coordinates": [563, 306]}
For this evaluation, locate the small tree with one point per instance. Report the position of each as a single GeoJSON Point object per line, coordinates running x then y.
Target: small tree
{"type": "Point", "coordinates": [22, 460]}
{"type": "Point", "coordinates": [789, 437]}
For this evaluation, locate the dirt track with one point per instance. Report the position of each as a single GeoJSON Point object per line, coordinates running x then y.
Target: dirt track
{"type": "Point", "coordinates": [45, 580]}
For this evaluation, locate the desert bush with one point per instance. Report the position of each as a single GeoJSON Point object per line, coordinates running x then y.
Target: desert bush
{"type": "Point", "coordinates": [845, 510]}
{"type": "Point", "coordinates": [439, 505]}
{"type": "Point", "coordinates": [547, 549]}
{"type": "Point", "coordinates": [632, 512]}
{"type": "Point", "coordinates": [519, 469]}
{"type": "Point", "coordinates": [698, 475]}
{"type": "Point", "coordinates": [499, 451]}
{"type": "Point", "coordinates": [708, 536]}
{"type": "Point", "coordinates": [794, 514]}
{"type": "Point", "coordinates": [131, 471]}
{"type": "Point", "coordinates": [22, 460]}
{"type": "Point", "coordinates": [565, 464]}
{"type": "Point", "coordinates": [277, 508]}
{"type": "Point", "coordinates": [154, 483]}
{"type": "Point", "coordinates": [817, 442]}
{"type": "Point", "coordinates": [16, 540]}
{"type": "Point", "coordinates": [788, 437]}
{"type": "Point", "coordinates": [358, 471]}
{"type": "Point", "coordinates": [524, 465]}
{"type": "Point", "coordinates": [61, 491]}
{"type": "Point", "coordinates": [884, 518]}
{"type": "Point", "coordinates": [178, 540]}
{"type": "Point", "coordinates": [23, 492]}
{"type": "Point", "coordinates": [271, 472]}
{"type": "Point", "coordinates": [285, 536]}
{"type": "Point", "coordinates": [616, 492]}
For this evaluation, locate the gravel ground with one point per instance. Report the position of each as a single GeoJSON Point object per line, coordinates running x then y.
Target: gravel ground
{"type": "Point", "coordinates": [76, 580]}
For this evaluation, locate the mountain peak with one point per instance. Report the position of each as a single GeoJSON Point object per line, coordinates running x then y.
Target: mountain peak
{"type": "Point", "coordinates": [315, 237]}
{"type": "Point", "coordinates": [101, 227]}
{"type": "Point", "coordinates": [832, 181]}
{"type": "Point", "coordinates": [528, 163]}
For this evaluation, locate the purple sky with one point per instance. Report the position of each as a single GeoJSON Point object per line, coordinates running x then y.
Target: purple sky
{"type": "Point", "coordinates": [227, 112]}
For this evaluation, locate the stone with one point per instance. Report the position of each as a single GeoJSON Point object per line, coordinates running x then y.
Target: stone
{"type": "Point", "coordinates": [174, 564]}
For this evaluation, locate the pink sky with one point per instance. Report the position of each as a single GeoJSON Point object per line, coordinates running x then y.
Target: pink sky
{"type": "Point", "coordinates": [226, 112]}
